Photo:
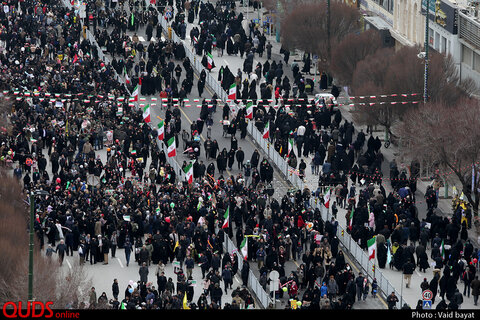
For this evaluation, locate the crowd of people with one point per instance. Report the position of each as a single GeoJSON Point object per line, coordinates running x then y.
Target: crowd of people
{"type": "Point", "coordinates": [96, 209]}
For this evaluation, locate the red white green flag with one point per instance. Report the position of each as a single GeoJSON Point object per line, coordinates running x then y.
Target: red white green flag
{"type": "Point", "coordinates": [226, 218]}
{"type": "Point", "coordinates": [326, 198]}
{"type": "Point", "coordinates": [350, 225]}
{"type": "Point", "coordinates": [372, 247]}
{"type": "Point", "coordinates": [266, 130]}
{"type": "Point", "coordinates": [189, 172]}
{"type": "Point", "coordinates": [290, 146]}
{"type": "Point", "coordinates": [135, 94]}
{"type": "Point", "coordinates": [161, 130]}
{"type": "Point", "coordinates": [209, 60]}
{"type": "Point", "coordinates": [127, 78]}
{"type": "Point", "coordinates": [146, 114]}
{"type": "Point", "coordinates": [171, 150]}
{"type": "Point", "coordinates": [244, 248]}
{"type": "Point", "coordinates": [232, 92]}
{"type": "Point", "coordinates": [249, 110]}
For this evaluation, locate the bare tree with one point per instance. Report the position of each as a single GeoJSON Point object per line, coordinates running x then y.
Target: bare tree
{"type": "Point", "coordinates": [351, 50]}
{"type": "Point", "coordinates": [445, 135]}
{"type": "Point", "coordinates": [399, 76]}
{"type": "Point", "coordinates": [305, 28]}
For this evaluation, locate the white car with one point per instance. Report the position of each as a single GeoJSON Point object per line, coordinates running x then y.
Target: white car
{"type": "Point", "coordinates": [325, 97]}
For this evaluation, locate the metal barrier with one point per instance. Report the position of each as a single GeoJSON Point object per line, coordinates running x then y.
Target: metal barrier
{"type": "Point", "coordinates": [346, 240]}
{"type": "Point", "coordinates": [274, 156]}
{"type": "Point", "coordinates": [348, 243]}
{"type": "Point", "coordinates": [196, 62]}
{"type": "Point", "coordinates": [262, 296]}
{"type": "Point", "coordinates": [91, 37]}
{"type": "Point", "coordinates": [360, 257]}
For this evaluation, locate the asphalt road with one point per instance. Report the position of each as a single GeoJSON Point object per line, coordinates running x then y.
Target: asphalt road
{"type": "Point", "coordinates": [189, 114]}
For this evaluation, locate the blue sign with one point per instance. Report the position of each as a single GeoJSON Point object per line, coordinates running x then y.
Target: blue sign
{"type": "Point", "coordinates": [431, 5]}
{"type": "Point", "coordinates": [427, 304]}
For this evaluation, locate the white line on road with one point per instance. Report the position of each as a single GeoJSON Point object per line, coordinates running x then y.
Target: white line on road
{"type": "Point", "coordinates": [69, 265]}
{"type": "Point", "coordinates": [225, 61]}
{"type": "Point", "coordinates": [119, 261]}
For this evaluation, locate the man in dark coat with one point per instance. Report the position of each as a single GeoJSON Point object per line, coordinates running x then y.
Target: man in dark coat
{"type": "Point", "coordinates": [408, 269]}
{"type": "Point", "coordinates": [240, 156]}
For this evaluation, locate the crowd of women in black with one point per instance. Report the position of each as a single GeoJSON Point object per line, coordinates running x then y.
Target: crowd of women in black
{"type": "Point", "coordinates": [97, 206]}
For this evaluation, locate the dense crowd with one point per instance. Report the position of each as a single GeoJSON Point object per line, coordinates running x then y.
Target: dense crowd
{"type": "Point", "coordinates": [96, 208]}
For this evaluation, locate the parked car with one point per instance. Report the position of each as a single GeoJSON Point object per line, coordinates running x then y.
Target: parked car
{"type": "Point", "coordinates": [325, 99]}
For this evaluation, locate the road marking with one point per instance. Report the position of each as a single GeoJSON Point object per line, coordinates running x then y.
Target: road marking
{"type": "Point", "coordinates": [225, 61]}
{"type": "Point", "coordinates": [69, 265]}
{"type": "Point", "coordinates": [120, 262]}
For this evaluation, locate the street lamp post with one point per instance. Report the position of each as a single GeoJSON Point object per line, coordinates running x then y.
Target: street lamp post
{"type": "Point", "coordinates": [30, 249]}
{"type": "Point", "coordinates": [427, 18]}
{"type": "Point", "coordinates": [328, 30]}
{"type": "Point", "coordinates": [31, 244]}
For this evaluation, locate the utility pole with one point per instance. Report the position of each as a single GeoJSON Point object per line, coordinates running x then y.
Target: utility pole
{"type": "Point", "coordinates": [30, 253]}
{"type": "Point", "coordinates": [427, 19]}
{"type": "Point", "coordinates": [32, 242]}
{"type": "Point", "coordinates": [277, 21]}
{"type": "Point", "coordinates": [328, 31]}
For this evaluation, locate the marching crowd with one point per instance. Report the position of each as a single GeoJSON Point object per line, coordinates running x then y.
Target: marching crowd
{"type": "Point", "coordinates": [61, 110]}
{"type": "Point", "coordinates": [96, 208]}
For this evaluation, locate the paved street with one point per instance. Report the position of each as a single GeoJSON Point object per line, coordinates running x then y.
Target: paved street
{"type": "Point", "coordinates": [190, 113]}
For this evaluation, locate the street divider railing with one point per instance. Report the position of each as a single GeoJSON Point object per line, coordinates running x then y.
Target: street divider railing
{"type": "Point", "coordinates": [369, 268]}
{"type": "Point", "coordinates": [362, 260]}
{"type": "Point", "coordinates": [196, 61]}
{"type": "Point", "coordinates": [275, 157]}
{"type": "Point", "coordinates": [161, 145]}
{"type": "Point", "coordinates": [344, 237]}
{"type": "Point", "coordinates": [253, 284]}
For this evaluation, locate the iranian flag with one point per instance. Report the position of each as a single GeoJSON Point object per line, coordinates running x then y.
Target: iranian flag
{"type": "Point", "coordinates": [351, 218]}
{"type": "Point", "coordinates": [189, 172]}
{"type": "Point", "coordinates": [244, 248]}
{"type": "Point", "coordinates": [127, 78]}
{"type": "Point", "coordinates": [372, 247]}
{"type": "Point", "coordinates": [326, 198]}
{"type": "Point", "coordinates": [171, 150]}
{"type": "Point", "coordinates": [266, 131]}
{"type": "Point", "coordinates": [146, 114]}
{"type": "Point", "coordinates": [232, 92]}
{"type": "Point", "coordinates": [290, 146]}
{"type": "Point", "coordinates": [249, 110]}
{"type": "Point", "coordinates": [209, 60]}
{"type": "Point", "coordinates": [161, 130]}
{"type": "Point", "coordinates": [389, 254]}
{"type": "Point", "coordinates": [226, 217]}
{"type": "Point", "coordinates": [442, 249]}
{"type": "Point", "coordinates": [135, 94]}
